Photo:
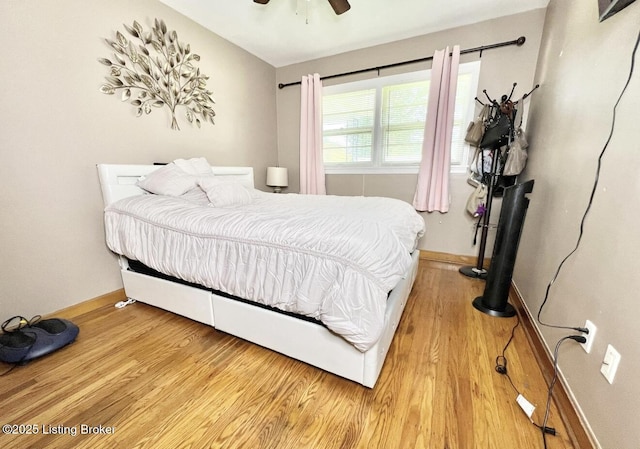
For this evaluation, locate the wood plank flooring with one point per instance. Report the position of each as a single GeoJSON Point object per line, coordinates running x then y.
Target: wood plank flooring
{"type": "Point", "coordinates": [157, 380]}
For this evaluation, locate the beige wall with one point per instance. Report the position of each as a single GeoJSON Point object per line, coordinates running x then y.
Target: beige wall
{"type": "Point", "coordinates": [56, 126]}
{"type": "Point", "coordinates": [582, 68]}
{"type": "Point", "coordinates": [451, 232]}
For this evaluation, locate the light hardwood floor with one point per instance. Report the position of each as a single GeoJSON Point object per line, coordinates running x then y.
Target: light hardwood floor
{"type": "Point", "coordinates": [157, 380]}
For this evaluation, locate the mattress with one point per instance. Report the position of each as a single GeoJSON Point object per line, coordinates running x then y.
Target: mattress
{"type": "Point", "coordinates": [331, 258]}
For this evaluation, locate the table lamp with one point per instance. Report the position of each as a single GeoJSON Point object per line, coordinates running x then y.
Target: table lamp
{"type": "Point", "coordinates": [277, 178]}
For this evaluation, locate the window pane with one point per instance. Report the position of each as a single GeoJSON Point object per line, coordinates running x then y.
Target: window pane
{"type": "Point", "coordinates": [404, 110]}
{"type": "Point", "coordinates": [458, 145]}
{"type": "Point", "coordinates": [347, 148]}
{"type": "Point", "coordinates": [403, 145]}
{"type": "Point", "coordinates": [348, 121]}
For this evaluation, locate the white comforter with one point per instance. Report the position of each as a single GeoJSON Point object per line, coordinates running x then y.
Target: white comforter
{"type": "Point", "coordinates": [328, 257]}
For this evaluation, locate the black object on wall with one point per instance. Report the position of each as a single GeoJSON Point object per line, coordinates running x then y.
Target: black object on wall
{"type": "Point", "coordinates": [494, 300]}
{"type": "Point", "coordinates": [607, 8]}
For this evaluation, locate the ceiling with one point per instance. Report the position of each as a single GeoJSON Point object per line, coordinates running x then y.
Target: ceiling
{"type": "Point", "coordinates": [290, 31]}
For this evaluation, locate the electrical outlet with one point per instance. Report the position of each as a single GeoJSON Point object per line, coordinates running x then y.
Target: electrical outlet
{"type": "Point", "coordinates": [590, 336]}
{"type": "Point", "coordinates": [610, 363]}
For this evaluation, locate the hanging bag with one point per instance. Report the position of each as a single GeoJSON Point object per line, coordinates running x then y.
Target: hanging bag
{"type": "Point", "coordinates": [516, 158]}
{"type": "Point", "coordinates": [497, 132]}
{"type": "Point", "coordinates": [477, 201]}
{"type": "Point", "coordinates": [475, 130]}
{"type": "Point", "coordinates": [517, 155]}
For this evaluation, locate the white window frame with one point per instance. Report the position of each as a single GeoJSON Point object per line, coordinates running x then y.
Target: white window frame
{"type": "Point", "coordinates": [376, 167]}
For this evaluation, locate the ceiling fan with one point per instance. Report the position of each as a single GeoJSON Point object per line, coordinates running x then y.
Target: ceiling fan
{"type": "Point", "coordinates": [339, 6]}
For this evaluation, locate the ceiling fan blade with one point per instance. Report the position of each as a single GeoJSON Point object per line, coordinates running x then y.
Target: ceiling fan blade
{"type": "Point", "coordinates": [340, 6]}
{"type": "Point", "coordinates": [262, 2]}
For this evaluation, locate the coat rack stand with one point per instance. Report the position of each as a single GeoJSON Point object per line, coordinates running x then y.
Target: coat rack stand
{"type": "Point", "coordinates": [505, 106]}
{"type": "Point", "coordinates": [478, 271]}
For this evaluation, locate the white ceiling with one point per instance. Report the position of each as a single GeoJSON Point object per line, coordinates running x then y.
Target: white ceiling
{"type": "Point", "coordinates": [285, 32]}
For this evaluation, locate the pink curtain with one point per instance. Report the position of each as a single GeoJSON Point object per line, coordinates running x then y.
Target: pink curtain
{"type": "Point", "coordinates": [432, 191]}
{"type": "Point", "coordinates": [311, 165]}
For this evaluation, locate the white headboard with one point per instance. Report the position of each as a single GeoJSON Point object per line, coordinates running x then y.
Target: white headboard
{"type": "Point", "coordinates": [119, 181]}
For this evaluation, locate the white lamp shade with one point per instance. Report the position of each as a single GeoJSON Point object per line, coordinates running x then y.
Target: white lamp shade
{"type": "Point", "coordinates": [277, 177]}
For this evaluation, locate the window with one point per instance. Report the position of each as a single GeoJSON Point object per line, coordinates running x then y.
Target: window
{"type": "Point", "coordinates": [377, 125]}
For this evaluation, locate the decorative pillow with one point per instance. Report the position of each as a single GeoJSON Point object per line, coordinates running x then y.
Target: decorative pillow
{"type": "Point", "coordinates": [225, 193]}
{"type": "Point", "coordinates": [168, 180]}
{"type": "Point", "coordinates": [194, 166]}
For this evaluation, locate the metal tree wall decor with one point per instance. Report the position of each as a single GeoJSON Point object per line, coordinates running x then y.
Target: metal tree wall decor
{"type": "Point", "coordinates": [154, 70]}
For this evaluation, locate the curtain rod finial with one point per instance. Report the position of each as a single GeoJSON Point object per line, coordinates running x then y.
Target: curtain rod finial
{"type": "Point", "coordinates": [520, 41]}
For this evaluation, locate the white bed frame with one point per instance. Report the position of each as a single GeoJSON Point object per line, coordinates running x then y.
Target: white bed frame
{"type": "Point", "coordinates": [296, 338]}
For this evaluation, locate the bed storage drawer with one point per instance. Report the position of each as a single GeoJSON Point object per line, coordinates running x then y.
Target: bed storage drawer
{"type": "Point", "coordinates": [188, 301]}
{"type": "Point", "coordinates": [308, 342]}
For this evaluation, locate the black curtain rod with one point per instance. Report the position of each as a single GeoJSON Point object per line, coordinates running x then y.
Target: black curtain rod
{"type": "Point", "coordinates": [520, 41]}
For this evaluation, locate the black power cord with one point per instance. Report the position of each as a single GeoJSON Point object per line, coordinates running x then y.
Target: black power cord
{"type": "Point", "coordinates": [501, 368]}
{"type": "Point", "coordinates": [591, 197]}
{"type": "Point", "coordinates": [579, 339]}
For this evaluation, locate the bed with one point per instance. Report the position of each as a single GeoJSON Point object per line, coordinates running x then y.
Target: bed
{"type": "Point", "coordinates": [233, 296]}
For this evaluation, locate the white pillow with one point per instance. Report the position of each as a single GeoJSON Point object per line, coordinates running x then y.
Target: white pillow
{"type": "Point", "coordinates": [225, 193]}
{"type": "Point", "coordinates": [196, 196]}
{"type": "Point", "coordinates": [168, 180]}
{"type": "Point", "coordinates": [194, 166]}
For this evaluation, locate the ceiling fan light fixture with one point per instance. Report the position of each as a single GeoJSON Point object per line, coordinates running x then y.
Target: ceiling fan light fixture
{"type": "Point", "coordinates": [340, 6]}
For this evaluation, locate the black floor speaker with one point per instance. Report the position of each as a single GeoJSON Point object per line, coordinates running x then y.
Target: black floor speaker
{"type": "Point", "coordinates": [494, 300]}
